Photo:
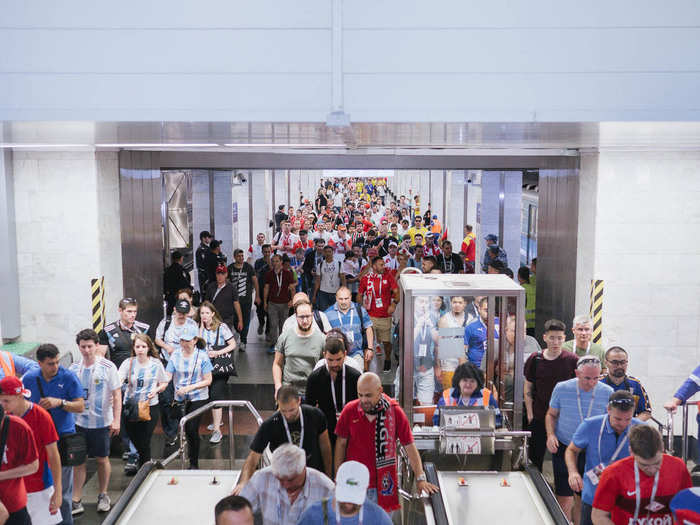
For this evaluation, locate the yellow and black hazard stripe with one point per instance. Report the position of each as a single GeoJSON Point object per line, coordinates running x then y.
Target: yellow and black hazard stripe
{"type": "Point", "coordinates": [97, 288]}
{"type": "Point", "coordinates": [597, 309]}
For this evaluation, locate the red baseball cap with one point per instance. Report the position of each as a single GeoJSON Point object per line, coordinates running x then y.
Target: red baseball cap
{"type": "Point", "coordinates": [12, 386]}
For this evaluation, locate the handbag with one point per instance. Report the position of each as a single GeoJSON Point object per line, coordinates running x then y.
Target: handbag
{"type": "Point", "coordinates": [135, 410]}
{"type": "Point", "coordinates": [223, 365]}
{"type": "Point", "coordinates": [71, 447]}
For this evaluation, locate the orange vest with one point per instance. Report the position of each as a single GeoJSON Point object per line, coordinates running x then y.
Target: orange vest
{"type": "Point", "coordinates": [449, 401]}
{"type": "Point", "coordinates": [7, 364]}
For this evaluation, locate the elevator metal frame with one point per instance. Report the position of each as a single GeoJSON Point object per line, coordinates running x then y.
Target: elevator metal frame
{"type": "Point", "coordinates": [490, 286]}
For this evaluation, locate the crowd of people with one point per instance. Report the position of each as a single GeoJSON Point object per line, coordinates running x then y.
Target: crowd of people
{"type": "Point", "coordinates": [325, 293]}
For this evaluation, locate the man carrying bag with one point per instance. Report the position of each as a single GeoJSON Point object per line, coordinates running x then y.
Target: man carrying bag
{"type": "Point", "coordinates": [59, 391]}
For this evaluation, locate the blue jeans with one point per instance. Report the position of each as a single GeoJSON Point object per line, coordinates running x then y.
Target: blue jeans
{"type": "Point", "coordinates": [67, 481]}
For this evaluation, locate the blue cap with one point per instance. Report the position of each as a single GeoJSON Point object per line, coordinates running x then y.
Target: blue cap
{"type": "Point", "coordinates": [188, 333]}
{"type": "Point", "coordinates": [491, 237]}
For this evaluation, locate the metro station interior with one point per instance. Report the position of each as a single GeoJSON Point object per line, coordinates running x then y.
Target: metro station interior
{"type": "Point", "coordinates": [581, 151]}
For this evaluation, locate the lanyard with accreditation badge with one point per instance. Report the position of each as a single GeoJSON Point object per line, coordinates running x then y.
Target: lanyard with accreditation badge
{"type": "Point", "coordinates": [653, 506]}
{"type": "Point", "coordinates": [590, 405]}
{"type": "Point", "coordinates": [335, 402]}
{"type": "Point", "coordinates": [289, 435]}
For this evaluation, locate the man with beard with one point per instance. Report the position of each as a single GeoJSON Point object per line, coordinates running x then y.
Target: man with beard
{"type": "Point", "coordinates": [332, 386]}
{"type": "Point", "coordinates": [371, 419]}
{"type": "Point", "coordinates": [297, 351]}
{"type": "Point", "coordinates": [616, 362]}
{"type": "Point", "coordinates": [295, 423]}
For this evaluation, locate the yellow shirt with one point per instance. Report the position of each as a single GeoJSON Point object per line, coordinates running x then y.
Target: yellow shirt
{"type": "Point", "coordinates": [413, 231]}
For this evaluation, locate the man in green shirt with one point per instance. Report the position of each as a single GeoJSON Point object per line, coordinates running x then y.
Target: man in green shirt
{"type": "Point", "coordinates": [583, 332]}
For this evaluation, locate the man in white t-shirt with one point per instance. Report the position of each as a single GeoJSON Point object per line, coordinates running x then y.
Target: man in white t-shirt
{"type": "Point", "coordinates": [101, 417]}
{"type": "Point", "coordinates": [285, 240]}
{"type": "Point", "coordinates": [255, 250]}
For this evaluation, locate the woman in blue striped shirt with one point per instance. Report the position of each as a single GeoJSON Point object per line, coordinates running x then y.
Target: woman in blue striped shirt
{"type": "Point", "coordinates": [145, 378]}
{"type": "Point", "coordinates": [220, 341]}
{"type": "Point", "coordinates": [190, 370]}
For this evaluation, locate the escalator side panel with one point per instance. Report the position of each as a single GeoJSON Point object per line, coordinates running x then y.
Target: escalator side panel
{"type": "Point", "coordinates": [438, 504]}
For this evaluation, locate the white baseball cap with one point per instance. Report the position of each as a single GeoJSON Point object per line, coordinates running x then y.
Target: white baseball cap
{"type": "Point", "coordinates": [351, 482]}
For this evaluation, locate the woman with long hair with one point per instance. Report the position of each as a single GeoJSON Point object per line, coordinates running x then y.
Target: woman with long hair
{"type": "Point", "coordinates": [145, 378]}
{"type": "Point", "coordinates": [219, 341]}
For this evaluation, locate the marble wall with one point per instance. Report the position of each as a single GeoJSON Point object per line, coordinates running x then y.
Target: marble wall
{"type": "Point", "coordinates": [68, 231]}
{"type": "Point", "coordinates": [644, 241]}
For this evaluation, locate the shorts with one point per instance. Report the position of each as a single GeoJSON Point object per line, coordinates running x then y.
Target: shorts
{"type": "Point", "coordinates": [38, 507]}
{"type": "Point", "coordinates": [382, 329]}
{"type": "Point", "coordinates": [97, 440]}
{"type": "Point", "coordinates": [561, 473]}
{"type": "Point", "coordinates": [217, 389]}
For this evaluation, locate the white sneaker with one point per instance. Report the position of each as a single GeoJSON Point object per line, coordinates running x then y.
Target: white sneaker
{"type": "Point", "coordinates": [210, 427]}
{"type": "Point", "coordinates": [103, 503]}
{"type": "Point", "coordinates": [216, 437]}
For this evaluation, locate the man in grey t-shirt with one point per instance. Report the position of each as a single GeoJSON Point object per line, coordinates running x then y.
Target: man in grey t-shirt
{"type": "Point", "coordinates": [297, 350]}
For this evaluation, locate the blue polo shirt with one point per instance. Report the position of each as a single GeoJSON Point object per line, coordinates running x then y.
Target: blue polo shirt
{"type": "Point", "coordinates": [586, 438]}
{"type": "Point", "coordinates": [350, 324]}
{"type": "Point", "coordinates": [564, 399]}
{"type": "Point", "coordinates": [64, 385]}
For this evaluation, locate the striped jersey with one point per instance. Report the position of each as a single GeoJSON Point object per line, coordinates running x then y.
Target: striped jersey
{"type": "Point", "coordinates": [172, 335]}
{"type": "Point", "coordinates": [211, 338]}
{"type": "Point", "coordinates": [99, 381]}
{"type": "Point", "coordinates": [189, 370]}
{"type": "Point", "coordinates": [143, 379]}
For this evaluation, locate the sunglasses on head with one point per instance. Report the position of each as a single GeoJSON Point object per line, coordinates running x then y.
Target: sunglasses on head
{"type": "Point", "coordinates": [622, 404]}
{"type": "Point", "coordinates": [591, 360]}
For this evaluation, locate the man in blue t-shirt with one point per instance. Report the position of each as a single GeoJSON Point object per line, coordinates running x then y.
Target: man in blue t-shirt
{"type": "Point", "coordinates": [59, 391]}
{"type": "Point", "coordinates": [350, 504]}
{"type": "Point", "coordinates": [475, 333]}
{"type": "Point", "coordinates": [603, 439]}
{"type": "Point", "coordinates": [573, 401]}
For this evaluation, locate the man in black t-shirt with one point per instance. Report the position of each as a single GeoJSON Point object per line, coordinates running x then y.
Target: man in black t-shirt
{"type": "Point", "coordinates": [262, 266]}
{"type": "Point", "coordinates": [334, 384]}
{"type": "Point", "coordinates": [243, 279]}
{"type": "Point", "coordinates": [449, 262]}
{"type": "Point", "coordinates": [115, 338]}
{"type": "Point", "coordinates": [294, 423]}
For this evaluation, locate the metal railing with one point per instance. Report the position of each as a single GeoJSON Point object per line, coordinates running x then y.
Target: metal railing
{"type": "Point", "coordinates": [230, 404]}
{"type": "Point", "coordinates": [684, 431]}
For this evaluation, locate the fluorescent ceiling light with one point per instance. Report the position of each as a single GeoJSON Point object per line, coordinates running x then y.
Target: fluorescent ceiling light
{"type": "Point", "coordinates": [278, 145]}
{"type": "Point", "coordinates": [35, 146]}
{"type": "Point", "coordinates": [157, 145]}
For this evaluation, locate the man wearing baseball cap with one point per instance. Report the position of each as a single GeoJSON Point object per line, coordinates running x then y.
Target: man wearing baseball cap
{"type": "Point", "coordinates": [44, 486]}
{"type": "Point", "coordinates": [349, 504]}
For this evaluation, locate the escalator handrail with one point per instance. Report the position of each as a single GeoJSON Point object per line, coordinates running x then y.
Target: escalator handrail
{"type": "Point", "coordinates": [123, 502]}
{"type": "Point", "coordinates": [547, 496]}
{"type": "Point", "coordinates": [439, 510]}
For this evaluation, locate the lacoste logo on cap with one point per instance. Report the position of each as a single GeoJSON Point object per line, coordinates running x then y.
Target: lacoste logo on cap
{"type": "Point", "coordinates": [352, 482]}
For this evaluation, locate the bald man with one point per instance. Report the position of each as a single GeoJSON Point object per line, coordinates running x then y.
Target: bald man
{"type": "Point", "coordinates": [320, 319]}
{"type": "Point", "coordinates": [376, 418]}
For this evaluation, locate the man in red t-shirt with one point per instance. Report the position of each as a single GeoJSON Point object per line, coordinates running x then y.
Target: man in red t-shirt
{"type": "Point", "coordinates": [380, 293]}
{"type": "Point", "coordinates": [637, 490]}
{"type": "Point", "coordinates": [277, 299]}
{"type": "Point", "coordinates": [44, 487]}
{"type": "Point", "coordinates": [357, 430]}
{"type": "Point", "coordinates": [19, 459]}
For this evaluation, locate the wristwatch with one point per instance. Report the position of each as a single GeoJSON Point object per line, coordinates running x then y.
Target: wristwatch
{"type": "Point", "coordinates": [422, 477]}
{"type": "Point", "coordinates": [63, 403]}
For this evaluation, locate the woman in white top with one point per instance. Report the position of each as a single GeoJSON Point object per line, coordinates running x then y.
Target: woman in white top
{"type": "Point", "coordinates": [220, 341]}
{"type": "Point", "coordinates": [144, 376]}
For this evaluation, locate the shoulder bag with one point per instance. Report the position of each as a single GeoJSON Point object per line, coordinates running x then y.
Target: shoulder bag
{"type": "Point", "coordinates": [71, 447]}
{"type": "Point", "coordinates": [223, 364]}
{"type": "Point", "coordinates": [133, 409]}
